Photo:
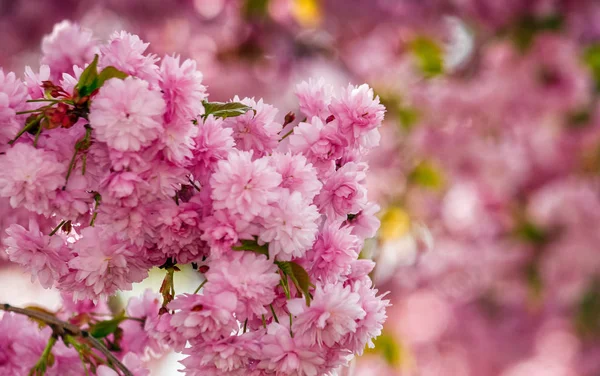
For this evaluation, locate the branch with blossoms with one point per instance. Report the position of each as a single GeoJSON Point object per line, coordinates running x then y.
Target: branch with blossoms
{"type": "Point", "coordinates": [129, 167]}
{"type": "Point", "coordinates": [82, 341]}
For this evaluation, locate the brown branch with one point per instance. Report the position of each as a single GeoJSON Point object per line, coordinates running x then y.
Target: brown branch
{"type": "Point", "coordinates": [63, 328]}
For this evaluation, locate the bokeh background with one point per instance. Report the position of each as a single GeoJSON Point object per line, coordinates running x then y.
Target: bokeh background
{"type": "Point", "coordinates": [487, 172]}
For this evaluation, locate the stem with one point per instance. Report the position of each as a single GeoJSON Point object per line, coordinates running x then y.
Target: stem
{"type": "Point", "coordinates": [287, 134]}
{"type": "Point", "coordinates": [245, 325]}
{"type": "Point", "coordinates": [58, 227]}
{"type": "Point", "coordinates": [42, 364]}
{"type": "Point", "coordinates": [71, 166]}
{"type": "Point", "coordinates": [264, 321]}
{"type": "Point", "coordinates": [62, 328]}
{"type": "Point", "coordinates": [274, 314]}
{"type": "Point", "coordinates": [201, 285]}
{"type": "Point", "coordinates": [37, 135]}
{"type": "Point", "coordinates": [291, 333]}
{"type": "Point", "coordinates": [25, 129]}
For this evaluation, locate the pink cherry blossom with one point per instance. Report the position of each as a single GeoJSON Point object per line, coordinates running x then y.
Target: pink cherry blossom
{"type": "Point", "coordinates": [43, 256]}
{"type": "Point", "coordinates": [290, 227]}
{"type": "Point", "coordinates": [126, 114]}
{"type": "Point", "coordinates": [243, 186]}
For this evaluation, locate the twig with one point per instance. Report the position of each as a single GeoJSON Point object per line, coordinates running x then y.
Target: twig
{"type": "Point", "coordinates": [63, 328]}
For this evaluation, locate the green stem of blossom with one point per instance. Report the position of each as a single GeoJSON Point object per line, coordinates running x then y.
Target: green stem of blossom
{"type": "Point", "coordinates": [274, 314]}
{"type": "Point", "coordinates": [264, 322]}
{"type": "Point", "coordinates": [37, 136]}
{"type": "Point", "coordinates": [79, 146]}
{"type": "Point", "coordinates": [39, 369]}
{"type": "Point", "coordinates": [287, 134]}
{"type": "Point", "coordinates": [58, 227]}
{"type": "Point", "coordinates": [201, 285]}
{"type": "Point", "coordinates": [68, 340]}
{"type": "Point", "coordinates": [26, 128]}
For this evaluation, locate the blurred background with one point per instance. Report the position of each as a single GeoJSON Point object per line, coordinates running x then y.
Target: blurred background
{"type": "Point", "coordinates": [487, 173]}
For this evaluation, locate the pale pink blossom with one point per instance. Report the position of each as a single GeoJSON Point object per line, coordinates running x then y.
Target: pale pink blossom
{"type": "Point", "coordinates": [333, 253]}
{"type": "Point", "coordinates": [213, 143]}
{"type": "Point", "coordinates": [297, 174]}
{"type": "Point", "coordinates": [125, 52]}
{"type": "Point", "coordinates": [68, 45]}
{"type": "Point", "coordinates": [102, 265]}
{"type": "Point", "coordinates": [204, 316]}
{"type": "Point", "coordinates": [45, 257]}
{"type": "Point", "coordinates": [290, 227]}
{"type": "Point", "coordinates": [314, 98]}
{"type": "Point", "coordinates": [30, 177]}
{"type": "Point", "coordinates": [333, 313]}
{"type": "Point", "coordinates": [286, 355]}
{"type": "Point", "coordinates": [344, 192]}
{"type": "Point", "coordinates": [251, 277]}
{"type": "Point", "coordinates": [126, 114]}
{"type": "Point", "coordinates": [257, 129]}
{"type": "Point", "coordinates": [243, 186]}
{"type": "Point", "coordinates": [357, 110]}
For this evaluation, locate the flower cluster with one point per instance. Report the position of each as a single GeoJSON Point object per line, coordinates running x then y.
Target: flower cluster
{"type": "Point", "coordinates": [123, 165]}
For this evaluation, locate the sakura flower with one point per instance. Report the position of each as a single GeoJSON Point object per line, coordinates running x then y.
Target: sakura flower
{"type": "Point", "coordinates": [182, 89]}
{"type": "Point", "coordinates": [321, 143]}
{"type": "Point", "coordinates": [125, 52]}
{"type": "Point", "coordinates": [126, 114]}
{"type": "Point", "coordinates": [314, 98]}
{"type": "Point", "coordinates": [369, 326]}
{"type": "Point", "coordinates": [333, 253]}
{"type": "Point", "coordinates": [102, 265]}
{"type": "Point", "coordinates": [290, 227]}
{"type": "Point", "coordinates": [136, 337]}
{"type": "Point", "coordinates": [68, 45]}
{"type": "Point", "coordinates": [256, 129]}
{"type": "Point", "coordinates": [41, 255]}
{"type": "Point", "coordinates": [230, 356]}
{"type": "Point", "coordinates": [213, 143]}
{"type": "Point", "coordinates": [30, 177]}
{"type": "Point", "coordinates": [297, 174]}
{"type": "Point", "coordinates": [222, 231]}
{"type": "Point", "coordinates": [287, 355]}
{"type": "Point", "coordinates": [20, 344]}
{"type": "Point", "coordinates": [357, 111]}
{"type": "Point", "coordinates": [333, 313]}
{"type": "Point", "coordinates": [204, 316]}
{"type": "Point", "coordinates": [183, 93]}
{"type": "Point", "coordinates": [344, 192]}
{"type": "Point", "coordinates": [178, 231]}
{"type": "Point", "coordinates": [365, 223]}
{"type": "Point", "coordinates": [244, 186]}
{"type": "Point", "coordinates": [251, 277]}
{"type": "Point", "coordinates": [33, 81]}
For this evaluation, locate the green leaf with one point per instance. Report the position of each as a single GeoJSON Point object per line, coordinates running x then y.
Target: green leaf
{"type": "Point", "coordinates": [90, 80]}
{"type": "Point", "coordinates": [255, 9]}
{"type": "Point", "coordinates": [429, 56]}
{"type": "Point", "coordinates": [387, 346]}
{"type": "Point", "coordinates": [108, 73]}
{"type": "Point", "coordinates": [525, 30]}
{"type": "Point", "coordinates": [87, 78]}
{"type": "Point", "coordinates": [224, 109]}
{"type": "Point", "coordinates": [591, 58]}
{"type": "Point", "coordinates": [107, 327]}
{"type": "Point", "coordinates": [426, 174]}
{"type": "Point", "coordinates": [299, 277]}
{"type": "Point", "coordinates": [587, 318]}
{"type": "Point", "coordinates": [531, 233]}
{"type": "Point", "coordinates": [252, 245]}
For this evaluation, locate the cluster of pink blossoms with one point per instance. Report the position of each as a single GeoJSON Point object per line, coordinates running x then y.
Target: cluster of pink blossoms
{"type": "Point", "coordinates": [119, 165]}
